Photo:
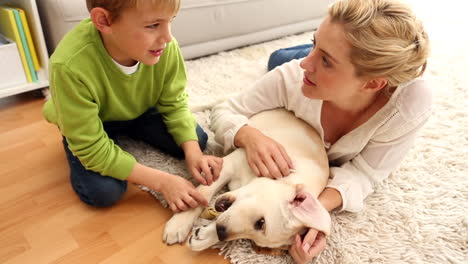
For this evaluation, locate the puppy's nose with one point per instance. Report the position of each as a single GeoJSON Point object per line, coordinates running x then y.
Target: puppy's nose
{"type": "Point", "coordinates": [221, 231]}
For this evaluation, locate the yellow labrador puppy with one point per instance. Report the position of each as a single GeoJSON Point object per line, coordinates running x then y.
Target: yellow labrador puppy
{"type": "Point", "coordinates": [269, 212]}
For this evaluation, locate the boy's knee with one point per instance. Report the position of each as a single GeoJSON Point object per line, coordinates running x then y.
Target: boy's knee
{"type": "Point", "coordinates": [202, 138]}
{"type": "Point", "coordinates": [108, 196]}
{"type": "Point", "coordinates": [104, 194]}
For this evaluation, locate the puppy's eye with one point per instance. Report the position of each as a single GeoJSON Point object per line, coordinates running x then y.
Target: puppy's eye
{"type": "Point", "coordinates": [260, 224]}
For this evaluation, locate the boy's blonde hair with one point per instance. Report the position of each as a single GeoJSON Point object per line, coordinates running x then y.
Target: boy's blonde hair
{"type": "Point", "coordinates": [115, 7]}
{"type": "Point", "coordinates": [386, 38]}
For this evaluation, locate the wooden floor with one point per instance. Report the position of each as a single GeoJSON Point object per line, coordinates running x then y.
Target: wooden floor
{"type": "Point", "coordinates": [43, 221]}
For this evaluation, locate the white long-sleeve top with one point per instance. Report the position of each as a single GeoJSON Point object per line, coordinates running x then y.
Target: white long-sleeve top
{"type": "Point", "coordinates": [358, 160]}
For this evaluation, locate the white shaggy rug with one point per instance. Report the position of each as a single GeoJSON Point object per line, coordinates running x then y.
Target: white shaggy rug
{"type": "Point", "coordinates": [419, 214]}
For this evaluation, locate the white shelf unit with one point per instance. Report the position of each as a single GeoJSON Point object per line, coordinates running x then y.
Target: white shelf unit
{"type": "Point", "coordinates": [30, 7]}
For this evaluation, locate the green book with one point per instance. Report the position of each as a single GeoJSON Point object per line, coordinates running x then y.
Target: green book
{"type": "Point", "coordinates": [27, 50]}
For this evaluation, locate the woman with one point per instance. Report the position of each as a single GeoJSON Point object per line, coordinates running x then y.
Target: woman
{"type": "Point", "coordinates": [358, 87]}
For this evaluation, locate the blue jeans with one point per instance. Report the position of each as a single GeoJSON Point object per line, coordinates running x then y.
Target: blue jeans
{"type": "Point", "coordinates": [284, 55]}
{"type": "Point", "coordinates": [103, 191]}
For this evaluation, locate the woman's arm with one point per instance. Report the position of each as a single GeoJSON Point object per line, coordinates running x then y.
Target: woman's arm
{"type": "Point", "coordinates": [229, 120]}
{"type": "Point", "coordinates": [269, 92]}
{"type": "Point", "coordinates": [356, 179]}
{"type": "Point", "coordinates": [330, 198]}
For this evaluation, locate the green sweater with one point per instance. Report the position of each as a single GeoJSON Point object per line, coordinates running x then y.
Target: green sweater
{"type": "Point", "coordinates": [88, 88]}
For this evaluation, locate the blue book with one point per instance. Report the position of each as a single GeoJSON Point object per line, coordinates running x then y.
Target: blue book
{"type": "Point", "coordinates": [27, 51]}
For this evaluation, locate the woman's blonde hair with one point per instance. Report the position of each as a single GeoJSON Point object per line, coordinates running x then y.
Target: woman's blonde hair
{"type": "Point", "coordinates": [115, 7]}
{"type": "Point", "coordinates": [386, 39]}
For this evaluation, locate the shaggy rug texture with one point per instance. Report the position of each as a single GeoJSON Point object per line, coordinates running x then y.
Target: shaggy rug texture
{"type": "Point", "coordinates": [419, 214]}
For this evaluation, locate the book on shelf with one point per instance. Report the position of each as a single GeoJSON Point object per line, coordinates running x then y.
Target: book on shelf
{"type": "Point", "coordinates": [14, 25]}
{"type": "Point", "coordinates": [29, 39]}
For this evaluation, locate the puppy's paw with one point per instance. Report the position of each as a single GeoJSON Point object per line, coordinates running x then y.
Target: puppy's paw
{"type": "Point", "coordinates": [177, 228]}
{"type": "Point", "coordinates": [203, 237]}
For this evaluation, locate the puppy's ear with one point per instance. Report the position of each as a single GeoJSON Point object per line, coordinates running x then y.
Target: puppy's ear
{"type": "Point", "coordinates": [311, 212]}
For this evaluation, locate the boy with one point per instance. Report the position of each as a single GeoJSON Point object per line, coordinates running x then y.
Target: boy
{"type": "Point", "coordinates": [121, 73]}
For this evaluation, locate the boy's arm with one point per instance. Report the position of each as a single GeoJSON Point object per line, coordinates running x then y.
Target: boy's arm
{"type": "Point", "coordinates": [179, 193]}
{"type": "Point", "coordinates": [76, 113]}
{"type": "Point", "coordinates": [173, 102]}
{"type": "Point", "coordinates": [181, 124]}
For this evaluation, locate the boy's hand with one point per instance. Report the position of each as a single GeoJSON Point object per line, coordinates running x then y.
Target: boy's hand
{"type": "Point", "coordinates": [180, 194]}
{"type": "Point", "coordinates": [204, 168]}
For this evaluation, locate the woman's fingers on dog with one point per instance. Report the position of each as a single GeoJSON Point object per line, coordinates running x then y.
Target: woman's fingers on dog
{"type": "Point", "coordinates": [264, 172]}
{"type": "Point", "coordinates": [267, 166]}
{"type": "Point", "coordinates": [309, 239]}
{"type": "Point", "coordinates": [296, 251]}
{"type": "Point", "coordinates": [318, 245]}
{"type": "Point", "coordinates": [286, 158]}
{"type": "Point", "coordinates": [273, 168]}
{"type": "Point", "coordinates": [282, 164]}
{"type": "Point", "coordinates": [311, 246]}
{"type": "Point", "coordinates": [254, 168]}
{"type": "Point", "coordinates": [262, 159]}
{"type": "Point", "coordinates": [294, 254]}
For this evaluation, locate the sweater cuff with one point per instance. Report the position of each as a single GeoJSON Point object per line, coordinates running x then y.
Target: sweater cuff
{"type": "Point", "coordinates": [352, 199]}
{"type": "Point", "coordinates": [231, 134]}
{"type": "Point", "coordinates": [123, 166]}
{"type": "Point", "coordinates": [186, 130]}
{"type": "Point", "coordinates": [186, 137]}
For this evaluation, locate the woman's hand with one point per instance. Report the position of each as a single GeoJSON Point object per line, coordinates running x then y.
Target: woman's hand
{"type": "Point", "coordinates": [180, 194]}
{"type": "Point", "coordinates": [304, 251]}
{"type": "Point", "coordinates": [204, 168]}
{"type": "Point", "coordinates": [266, 157]}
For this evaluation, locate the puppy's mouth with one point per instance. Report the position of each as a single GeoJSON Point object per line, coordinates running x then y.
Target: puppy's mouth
{"type": "Point", "coordinates": [223, 204]}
